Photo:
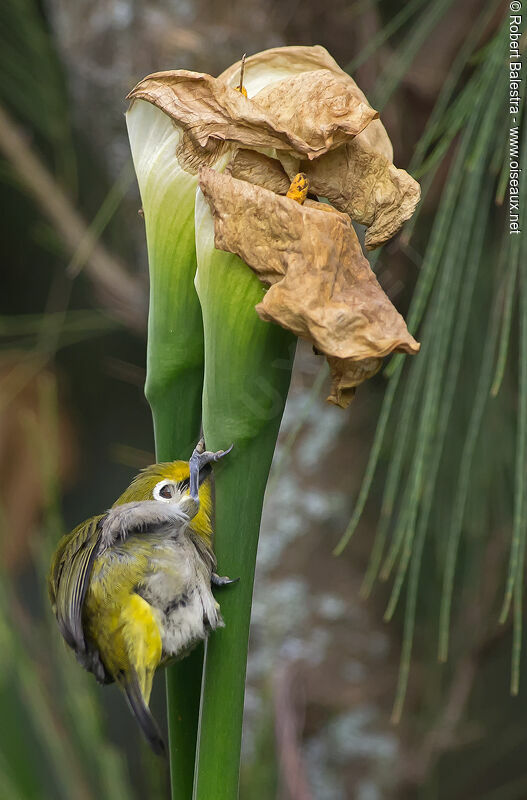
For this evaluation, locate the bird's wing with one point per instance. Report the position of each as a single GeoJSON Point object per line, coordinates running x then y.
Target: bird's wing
{"type": "Point", "coordinates": [144, 516]}
{"type": "Point", "coordinates": [69, 579]}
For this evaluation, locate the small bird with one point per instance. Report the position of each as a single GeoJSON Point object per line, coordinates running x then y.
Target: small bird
{"type": "Point", "coordinates": [131, 588]}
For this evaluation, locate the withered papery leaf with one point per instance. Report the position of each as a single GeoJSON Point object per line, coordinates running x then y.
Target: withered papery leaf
{"type": "Point", "coordinates": [375, 138]}
{"type": "Point", "coordinates": [321, 285]}
{"type": "Point", "coordinates": [358, 177]}
{"type": "Point", "coordinates": [269, 66]}
{"type": "Point", "coordinates": [279, 63]}
{"type": "Point", "coordinates": [248, 165]}
{"type": "Point", "coordinates": [210, 112]}
{"type": "Point", "coordinates": [322, 107]}
{"type": "Point", "coordinates": [364, 184]}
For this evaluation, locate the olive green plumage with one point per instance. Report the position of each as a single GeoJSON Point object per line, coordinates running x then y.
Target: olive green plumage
{"type": "Point", "coordinates": [131, 588]}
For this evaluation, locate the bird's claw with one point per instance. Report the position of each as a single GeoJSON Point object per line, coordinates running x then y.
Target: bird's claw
{"type": "Point", "coordinates": [222, 580]}
{"type": "Point", "coordinates": [199, 459]}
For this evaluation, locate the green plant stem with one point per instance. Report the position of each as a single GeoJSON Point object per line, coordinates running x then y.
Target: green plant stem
{"type": "Point", "coordinates": [180, 401]}
{"type": "Point", "coordinates": [175, 337]}
{"type": "Point", "coordinates": [173, 388]}
{"type": "Point", "coordinates": [247, 373]}
{"type": "Point", "coordinates": [183, 679]}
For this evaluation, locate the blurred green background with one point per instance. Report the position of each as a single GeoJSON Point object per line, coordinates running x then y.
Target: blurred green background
{"type": "Point", "coordinates": [445, 486]}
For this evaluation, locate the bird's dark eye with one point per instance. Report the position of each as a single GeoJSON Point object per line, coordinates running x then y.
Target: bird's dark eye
{"type": "Point", "coordinates": [166, 491]}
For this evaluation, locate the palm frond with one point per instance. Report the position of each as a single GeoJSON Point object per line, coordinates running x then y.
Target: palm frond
{"type": "Point", "coordinates": [460, 256]}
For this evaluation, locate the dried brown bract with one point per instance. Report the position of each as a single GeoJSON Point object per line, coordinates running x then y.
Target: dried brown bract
{"type": "Point", "coordinates": [321, 107]}
{"type": "Point", "coordinates": [306, 115]}
{"type": "Point", "coordinates": [364, 184]}
{"type": "Point", "coordinates": [256, 168]}
{"type": "Point", "coordinates": [358, 177]}
{"type": "Point", "coordinates": [321, 285]}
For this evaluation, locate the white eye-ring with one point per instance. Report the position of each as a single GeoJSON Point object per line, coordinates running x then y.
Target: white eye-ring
{"type": "Point", "coordinates": [164, 491]}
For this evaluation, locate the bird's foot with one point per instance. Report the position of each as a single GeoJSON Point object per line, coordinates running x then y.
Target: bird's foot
{"type": "Point", "coordinates": [222, 580]}
{"type": "Point", "coordinates": [199, 459]}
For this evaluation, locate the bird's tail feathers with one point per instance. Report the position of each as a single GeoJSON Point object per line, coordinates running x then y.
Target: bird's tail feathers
{"type": "Point", "coordinates": [143, 715]}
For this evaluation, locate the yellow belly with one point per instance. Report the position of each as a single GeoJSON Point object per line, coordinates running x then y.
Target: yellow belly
{"type": "Point", "coordinates": [121, 624]}
{"type": "Point", "coordinates": [136, 632]}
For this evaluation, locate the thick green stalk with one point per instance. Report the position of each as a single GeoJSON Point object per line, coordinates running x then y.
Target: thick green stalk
{"type": "Point", "coordinates": [173, 388]}
{"type": "Point", "coordinates": [174, 367]}
{"type": "Point", "coordinates": [183, 679]}
{"type": "Point", "coordinates": [247, 374]}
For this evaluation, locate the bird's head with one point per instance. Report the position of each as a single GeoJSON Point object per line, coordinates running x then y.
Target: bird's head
{"type": "Point", "coordinates": [168, 483]}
